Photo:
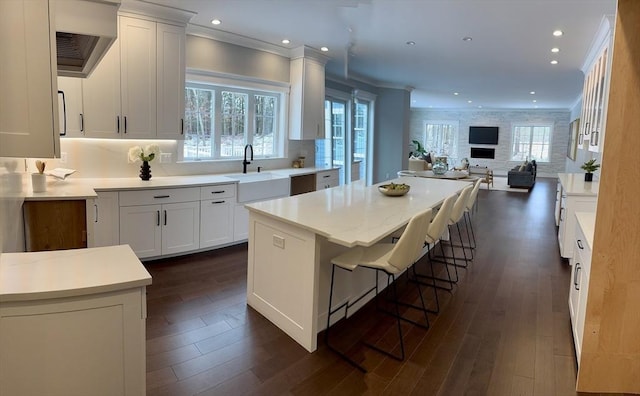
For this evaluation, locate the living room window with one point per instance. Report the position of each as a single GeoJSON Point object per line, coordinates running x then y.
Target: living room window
{"type": "Point", "coordinates": [531, 142]}
{"type": "Point", "coordinates": [221, 119]}
{"type": "Point", "coordinates": [441, 138]}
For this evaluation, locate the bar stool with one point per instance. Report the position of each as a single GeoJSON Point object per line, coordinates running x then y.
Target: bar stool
{"type": "Point", "coordinates": [471, 204]}
{"type": "Point", "coordinates": [456, 215]}
{"type": "Point", "coordinates": [435, 233]}
{"type": "Point", "coordinates": [390, 258]}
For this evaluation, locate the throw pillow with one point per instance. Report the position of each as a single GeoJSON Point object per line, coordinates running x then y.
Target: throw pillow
{"type": "Point", "coordinates": [529, 167]}
{"type": "Point", "coordinates": [521, 168]}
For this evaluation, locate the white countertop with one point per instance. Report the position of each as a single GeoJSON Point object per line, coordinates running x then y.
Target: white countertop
{"type": "Point", "coordinates": [83, 188]}
{"type": "Point", "coordinates": [355, 214]}
{"type": "Point", "coordinates": [574, 184]}
{"type": "Point", "coordinates": [67, 273]}
{"type": "Point", "coordinates": [587, 222]}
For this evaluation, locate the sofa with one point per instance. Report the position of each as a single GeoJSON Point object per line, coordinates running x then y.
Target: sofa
{"type": "Point", "coordinates": [523, 176]}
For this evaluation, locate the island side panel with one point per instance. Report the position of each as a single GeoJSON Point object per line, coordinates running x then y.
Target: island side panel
{"type": "Point", "coordinates": [282, 277]}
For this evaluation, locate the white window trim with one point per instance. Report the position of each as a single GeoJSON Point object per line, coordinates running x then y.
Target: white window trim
{"type": "Point", "coordinates": [205, 78]}
{"type": "Point", "coordinates": [456, 125]}
{"type": "Point", "coordinates": [530, 124]}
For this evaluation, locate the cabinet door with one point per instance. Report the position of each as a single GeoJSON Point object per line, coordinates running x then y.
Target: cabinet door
{"type": "Point", "coordinates": [106, 220]}
{"type": "Point", "coordinates": [101, 97]}
{"type": "Point", "coordinates": [599, 104]}
{"type": "Point", "coordinates": [313, 100]}
{"type": "Point", "coordinates": [306, 104]}
{"type": "Point", "coordinates": [240, 223]}
{"type": "Point", "coordinates": [55, 225]}
{"type": "Point", "coordinates": [216, 222]}
{"type": "Point", "coordinates": [140, 228]}
{"type": "Point", "coordinates": [28, 104]}
{"type": "Point", "coordinates": [170, 81]}
{"type": "Point", "coordinates": [138, 77]}
{"type": "Point", "coordinates": [70, 106]}
{"type": "Point", "coordinates": [180, 227]}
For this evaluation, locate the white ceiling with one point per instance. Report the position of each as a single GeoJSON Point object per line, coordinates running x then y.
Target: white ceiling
{"type": "Point", "coordinates": [508, 57]}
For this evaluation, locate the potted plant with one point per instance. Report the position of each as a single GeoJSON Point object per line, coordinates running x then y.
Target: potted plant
{"type": "Point", "coordinates": [590, 167]}
{"type": "Point", "coordinates": [419, 150]}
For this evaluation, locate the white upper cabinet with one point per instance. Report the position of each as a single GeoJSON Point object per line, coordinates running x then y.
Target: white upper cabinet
{"type": "Point", "coordinates": [137, 90]}
{"type": "Point", "coordinates": [307, 96]}
{"type": "Point", "coordinates": [171, 41]}
{"type": "Point", "coordinates": [595, 93]}
{"type": "Point", "coordinates": [28, 104]}
{"type": "Point", "coordinates": [138, 77]}
{"type": "Point", "coordinates": [70, 113]}
{"type": "Point", "coordinates": [101, 97]}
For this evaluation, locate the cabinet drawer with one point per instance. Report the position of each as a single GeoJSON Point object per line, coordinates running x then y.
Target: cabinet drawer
{"type": "Point", "coordinates": [218, 191]}
{"type": "Point", "coordinates": [327, 179]}
{"type": "Point", "coordinates": [160, 196]}
{"type": "Point", "coordinates": [582, 246]}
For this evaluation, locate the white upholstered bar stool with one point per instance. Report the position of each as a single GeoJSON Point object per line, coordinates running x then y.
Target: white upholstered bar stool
{"type": "Point", "coordinates": [471, 204]}
{"type": "Point", "coordinates": [456, 215]}
{"type": "Point", "coordinates": [390, 258]}
{"type": "Point", "coordinates": [435, 233]}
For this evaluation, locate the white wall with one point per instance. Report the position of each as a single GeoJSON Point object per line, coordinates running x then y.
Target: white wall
{"type": "Point", "coordinates": [504, 120]}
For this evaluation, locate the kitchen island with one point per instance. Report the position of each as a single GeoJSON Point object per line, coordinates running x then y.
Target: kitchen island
{"type": "Point", "coordinates": [292, 240]}
{"type": "Point", "coordinates": [72, 322]}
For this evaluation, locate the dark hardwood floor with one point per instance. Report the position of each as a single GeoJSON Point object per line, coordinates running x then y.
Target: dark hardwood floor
{"type": "Point", "coordinates": [504, 330]}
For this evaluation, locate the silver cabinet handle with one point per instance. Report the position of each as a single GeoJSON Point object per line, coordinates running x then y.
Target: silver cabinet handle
{"type": "Point", "coordinates": [575, 276]}
{"type": "Point", "coordinates": [95, 207]}
{"type": "Point", "coordinates": [162, 196]}
{"type": "Point", "coordinates": [579, 242]}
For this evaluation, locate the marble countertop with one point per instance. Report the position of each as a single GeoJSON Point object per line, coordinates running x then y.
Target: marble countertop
{"type": "Point", "coordinates": [83, 188]}
{"type": "Point", "coordinates": [67, 273]}
{"type": "Point", "coordinates": [574, 184]}
{"type": "Point", "coordinates": [587, 222]}
{"type": "Point", "coordinates": [356, 214]}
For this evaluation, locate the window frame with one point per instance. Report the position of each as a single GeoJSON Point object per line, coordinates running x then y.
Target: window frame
{"type": "Point", "coordinates": [531, 125]}
{"type": "Point", "coordinates": [219, 82]}
{"type": "Point", "coordinates": [453, 151]}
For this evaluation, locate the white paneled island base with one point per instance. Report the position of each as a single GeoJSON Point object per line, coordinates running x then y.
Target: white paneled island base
{"type": "Point", "coordinates": [292, 240]}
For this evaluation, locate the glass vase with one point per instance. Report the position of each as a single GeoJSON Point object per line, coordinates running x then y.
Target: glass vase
{"type": "Point", "coordinates": [439, 168]}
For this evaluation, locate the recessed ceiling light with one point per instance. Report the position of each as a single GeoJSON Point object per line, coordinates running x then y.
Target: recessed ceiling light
{"type": "Point", "coordinates": [555, 50]}
{"type": "Point", "coordinates": [535, 107]}
{"type": "Point", "coordinates": [324, 49]}
{"type": "Point", "coordinates": [479, 107]}
{"type": "Point", "coordinates": [411, 43]}
{"type": "Point", "coordinates": [554, 62]}
{"type": "Point", "coordinates": [285, 41]}
{"type": "Point", "coordinates": [534, 101]}
{"type": "Point", "coordinates": [557, 33]}
{"type": "Point", "coordinates": [467, 38]}
{"type": "Point", "coordinates": [469, 101]}
{"type": "Point", "coordinates": [456, 93]}
{"type": "Point", "coordinates": [532, 93]}
{"type": "Point", "coordinates": [216, 21]}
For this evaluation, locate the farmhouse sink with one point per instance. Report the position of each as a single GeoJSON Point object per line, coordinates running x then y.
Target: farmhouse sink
{"type": "Point", "coordinates": [260, 186]}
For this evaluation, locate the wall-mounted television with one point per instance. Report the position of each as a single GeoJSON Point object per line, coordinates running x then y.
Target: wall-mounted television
{"type": "Point", "coordinates": [483, 135]}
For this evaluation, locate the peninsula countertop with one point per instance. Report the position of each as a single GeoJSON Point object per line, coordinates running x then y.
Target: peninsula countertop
{"type": "Point", "coordinates": [587, 222]}
{"type": "Point", "coordinates": [356, 214]}
{"type": "Point", "coordinates": [574, 184]}
{"type": "Point", "coordinates": [68, 273]}
{"type": "Point", "coordinates": [83, 188]}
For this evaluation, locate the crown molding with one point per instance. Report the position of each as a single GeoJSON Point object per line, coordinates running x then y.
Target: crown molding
{"type": "Point", "coordinates": [151, 10]}
{"type": "Point", "coordinates": [236, 39]}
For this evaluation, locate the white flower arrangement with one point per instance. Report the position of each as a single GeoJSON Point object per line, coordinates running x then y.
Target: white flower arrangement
{"type": "Point", "coordinates": [137, 153]}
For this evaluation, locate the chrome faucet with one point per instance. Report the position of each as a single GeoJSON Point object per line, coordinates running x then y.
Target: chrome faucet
{"type": "Point", "coordinates": [245, 162]}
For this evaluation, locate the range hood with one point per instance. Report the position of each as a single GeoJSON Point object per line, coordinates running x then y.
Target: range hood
{"type": "Point", "coordinates": [85, 30]}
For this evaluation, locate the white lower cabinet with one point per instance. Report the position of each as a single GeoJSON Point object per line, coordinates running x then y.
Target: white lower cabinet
{"type": "Point", "coordinates": [240, 223]}
{"type": "Point", "coordinates": [327, 179]}
{"type": "Point", "coordinates": [569, 205]}
{"type": "Point", "coordinates": [216, 215]}
{"type": "Point", "coordinates": [81, 345]}
{"type": "Point", "coordinates": [104, 219]}
{"type": "Point", "coordinates": [580, 271]}
{"type": "Point", "coordinates": [170, 226]}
